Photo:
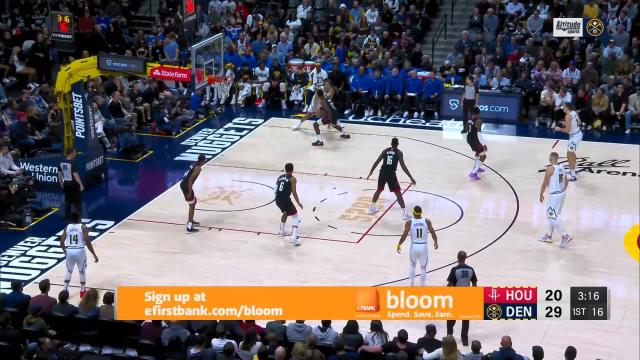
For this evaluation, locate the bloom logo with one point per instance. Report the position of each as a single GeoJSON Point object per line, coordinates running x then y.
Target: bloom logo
{"type": "Point", "coordinates": [454, 104]}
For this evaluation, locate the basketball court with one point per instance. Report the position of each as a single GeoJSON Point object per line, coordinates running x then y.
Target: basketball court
{"type": "Point", "coordinates": [496, 220]}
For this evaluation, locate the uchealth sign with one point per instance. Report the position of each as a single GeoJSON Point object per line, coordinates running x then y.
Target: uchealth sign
{"type": "Point", "coordinates": [171, 73]}
{"type": "Point", "coordinates": [494, 107]}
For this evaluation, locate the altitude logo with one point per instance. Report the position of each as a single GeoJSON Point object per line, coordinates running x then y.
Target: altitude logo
{"type": "Point", "coordinates": [612, 167]}
{"type": "Point", "coordinates": [568, 27]}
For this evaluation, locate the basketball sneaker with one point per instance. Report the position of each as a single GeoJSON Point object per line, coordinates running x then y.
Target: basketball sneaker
{"type": "Point", "coordinates": [571, 178]}
{"type": "Point", "coordinates": [372, 210]}
{"type": "Point", "coordinates": [283, 233]}
{"type": "Point", "coordinates": [345, 136]}
{"type": "Point", "coordinates": [566, 239]}
{"type": "Point", "coordinates": [545, 238]}
{"type": "Point", "coordinates": [297, 125]}
{"type": "Point", "coordinates": [196, 223]}
{"type": "Point", "coordinates": [317, 143]}
{"type": "Point", "coordinates": [296, 241]}
{"type": "Point", "coordinates": [481, 170]}
{"type": "Point", "coordinates": [416, 115]}
{"type": "Point", "coordinates": [405, 115]}
{"type": "Point", "coordinates": [82, 292]}
{"type": "Point", "coordinates": [474, 176]}
{"type": "Point", "coordinates": [284, 104]}
{"type": "Point", "coordinates": [192, 230]}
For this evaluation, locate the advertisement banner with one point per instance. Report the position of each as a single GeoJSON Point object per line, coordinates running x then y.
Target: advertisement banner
{"type": "Point", "coordinates": [126, 64]}
{"type": "Point", "coordinates": [83, 130]}
{"type": "Point", "coordinates": [283, 302]}
{"type": "Point", "coordinates": [568, 27]}
{"type": "Point", "coordinates": [171, 73]}
{"type": "Point", "coordinates": [494, 107]}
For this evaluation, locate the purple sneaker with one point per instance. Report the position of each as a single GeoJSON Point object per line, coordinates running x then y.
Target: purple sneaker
{"type": "Point", "coordinates": [474, 176]}
{"type": "Point", "coordinates": [481, 170]}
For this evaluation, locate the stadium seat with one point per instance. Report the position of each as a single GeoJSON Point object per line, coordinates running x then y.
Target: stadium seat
{"type": "Point", "coordinates": [9, 352]}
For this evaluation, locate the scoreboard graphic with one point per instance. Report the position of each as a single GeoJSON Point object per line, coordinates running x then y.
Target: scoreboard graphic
{"type": "Point", "coordinates": [532, 303]}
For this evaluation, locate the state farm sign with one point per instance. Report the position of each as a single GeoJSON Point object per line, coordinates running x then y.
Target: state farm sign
{"type": "Point", "coordinates": [181, 74]}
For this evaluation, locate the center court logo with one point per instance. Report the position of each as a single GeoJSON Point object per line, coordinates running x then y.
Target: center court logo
{"type": "Point", "coordinates": [606, 167]}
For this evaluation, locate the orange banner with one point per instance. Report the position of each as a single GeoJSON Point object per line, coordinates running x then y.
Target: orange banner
{"type": "Point", "coordinates": [284, 302]}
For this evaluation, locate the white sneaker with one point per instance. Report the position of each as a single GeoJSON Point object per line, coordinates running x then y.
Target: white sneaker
{"type": "Point", "coordinates": [297, 125]}
{"type": "Point", "coordinates": [380, 114]}
{"type": "Point", "coordinates": [566, 239]}
{"type": "Point", "coordinates": [435, 115]}
{"type": "Point", "coordinates": [296, 241]}
{"type": "Point", "coordinates": [627, 132]}
{"type": "Point", "coordinates": [406, 114]}
{"type": "Point", "coordinates": [372, 210]}
{"type": "Point", "coordinates": [415, 115]}
{"type": "Point", "coordinates": [284, 105]}
{"type": "Point", "coordinates": [604, 127]}
{"type": "Point", "coordinates": [347, 112]}
{"type": "Point", "coordinates": [571, 178]}
{"type": "Point", "coordinates": [553, 125]}
{"type": "Point", "coordinates": [545, 238]}
{"type": "Point", "coordinates": [406, 216]}
{"type": "Point", "coordinates": [422, 114]}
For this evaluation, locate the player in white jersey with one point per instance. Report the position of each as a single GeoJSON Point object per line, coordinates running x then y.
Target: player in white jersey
{"type": "Point", "coordinates": [73, 240]}
{"type": "Point", "coordinates": [571, 127]}
{"type": "Point", "coordinates": [555, 179]}
{"type": "Point", "coordinates": [418, 227]}
{"type": "Point", "coordinates": [261, 85]}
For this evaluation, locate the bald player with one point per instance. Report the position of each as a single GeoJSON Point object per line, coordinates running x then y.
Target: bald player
{"type": "Point", "coordinates": [186, 185]}
{"type": "Point", "coordinates": [326, 114]}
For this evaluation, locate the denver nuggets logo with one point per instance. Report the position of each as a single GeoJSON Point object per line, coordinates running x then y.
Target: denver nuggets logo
{"type": "Point", "coordinates": [595, 27]}
{"type": "Point", "coordinates": [224, 194]}
{"type": "Point", "coordinates": [494, 312]}
{"type": "Point", "coordinates": [276, 74]}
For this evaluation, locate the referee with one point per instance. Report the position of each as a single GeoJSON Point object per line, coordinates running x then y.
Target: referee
{"type": "Point", "coordinates": [470, 98]}
{"type": "Point", "coordinates": [461, 275]}
{"type": "Point", "coordinates": [70, 183]}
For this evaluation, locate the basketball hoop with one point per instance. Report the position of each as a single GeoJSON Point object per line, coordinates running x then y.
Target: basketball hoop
{"type": "Point", "coordinates": [221, 85]}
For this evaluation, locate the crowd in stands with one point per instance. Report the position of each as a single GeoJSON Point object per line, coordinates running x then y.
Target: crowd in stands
{"type": "Point", "coordinates": [511, 44]}
{"type": "Point", "coordinates": [41, 327]}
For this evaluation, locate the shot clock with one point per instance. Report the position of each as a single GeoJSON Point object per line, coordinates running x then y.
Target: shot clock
{"type": "Point", "coordinates": [62, 29]}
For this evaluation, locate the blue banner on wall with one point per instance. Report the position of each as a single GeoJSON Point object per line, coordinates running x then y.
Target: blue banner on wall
{"type": "Point", "coordinates": [494, 107]}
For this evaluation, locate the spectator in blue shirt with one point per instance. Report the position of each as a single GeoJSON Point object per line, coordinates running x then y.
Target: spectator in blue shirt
{"type": "Point", "coordinates": [250, 60]}
{"type": "Point", "coordinates": [412, 89]}
{"type": "Point", "coordinates": [171, 49]}
{"type": "Point", "coordinates": [16, 299]}
{"type": "Point", "coordinates": [395, 88]}
{"type": "Point", "coordinates": [258, 45]}
{"type": "Point", "coordinates": [231, 56]}
{"type": "Point", "coordinates": [356, 12]}
{"type": "Point", "coordinates": [377, 92]}
{"type": "Point", "coordinates": [431, 91]}
{"type": "Point", "coordinates": [479, 79]}
{"type": "Point", "coordinates": [360, 85]}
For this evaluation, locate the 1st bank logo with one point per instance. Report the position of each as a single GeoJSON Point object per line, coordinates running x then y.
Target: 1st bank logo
{"type": "Point", "coordinates": [612, 167]}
